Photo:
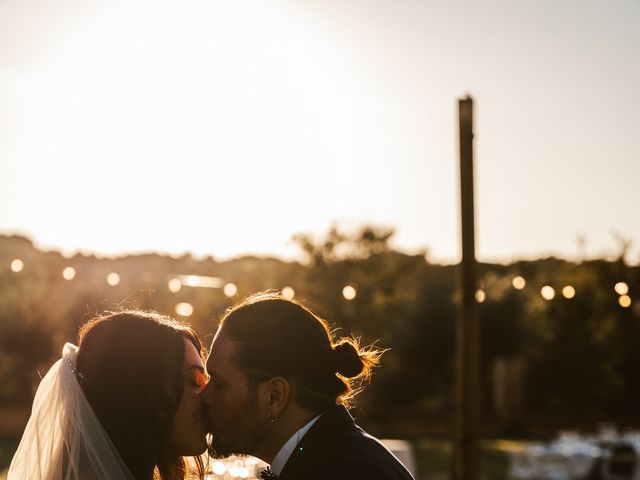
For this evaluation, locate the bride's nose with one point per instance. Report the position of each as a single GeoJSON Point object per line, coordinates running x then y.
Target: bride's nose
{"type": "Point", "coordinates": [205, 394]}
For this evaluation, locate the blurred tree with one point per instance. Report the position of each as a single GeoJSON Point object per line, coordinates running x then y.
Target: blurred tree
{"type": "Point", "coordinates": [580, 354]}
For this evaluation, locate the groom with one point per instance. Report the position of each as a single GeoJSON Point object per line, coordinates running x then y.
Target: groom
{"type": "Point", "coordinates": [275, 394]}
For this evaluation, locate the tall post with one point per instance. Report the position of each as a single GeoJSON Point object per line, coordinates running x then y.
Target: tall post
{"type": "Point", "coordinates": [466, 454]}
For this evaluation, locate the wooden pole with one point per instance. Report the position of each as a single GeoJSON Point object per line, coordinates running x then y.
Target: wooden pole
{"type": "Point", "coordinates": [466, 455]}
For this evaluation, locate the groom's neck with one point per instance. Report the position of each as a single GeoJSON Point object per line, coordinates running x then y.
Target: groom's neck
{"type": "Point", "coordinates": [292, 420]}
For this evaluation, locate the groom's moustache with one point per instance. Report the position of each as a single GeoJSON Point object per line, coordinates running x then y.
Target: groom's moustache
{"type": "Point", "coordinates": [211, 450]}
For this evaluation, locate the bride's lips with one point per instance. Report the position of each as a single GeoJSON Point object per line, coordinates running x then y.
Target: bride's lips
{"type": "Point", "coordinates": [204, 419]}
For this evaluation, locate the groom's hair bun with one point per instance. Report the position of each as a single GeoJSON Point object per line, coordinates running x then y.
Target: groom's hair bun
{"type": "Point", "coordinates": [278, 337]}
{"type": "Point", "coordinates": [347, 361]}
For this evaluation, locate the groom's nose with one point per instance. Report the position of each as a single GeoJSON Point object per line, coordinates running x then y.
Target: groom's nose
{"type": "Point", "coordinates": [205, 394]}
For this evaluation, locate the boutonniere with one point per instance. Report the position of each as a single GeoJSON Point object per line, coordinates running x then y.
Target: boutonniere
{"type": "Point", "coordinates": [267, 474]}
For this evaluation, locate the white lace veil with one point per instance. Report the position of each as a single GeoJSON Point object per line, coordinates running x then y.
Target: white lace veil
{"type": "Point", "coordinates": [63, 439]}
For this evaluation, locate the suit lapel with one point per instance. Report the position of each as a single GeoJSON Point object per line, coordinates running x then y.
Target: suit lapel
{"type": "Point", "coordinates": [311, 445]}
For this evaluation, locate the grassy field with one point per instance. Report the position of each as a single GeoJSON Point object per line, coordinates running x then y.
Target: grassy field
{"type": "Point", "coordinates": [433, 458]}
{"type": "Point", "coordinates": [7, 448]}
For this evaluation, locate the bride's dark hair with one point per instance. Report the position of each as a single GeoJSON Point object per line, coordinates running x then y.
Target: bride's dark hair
{"type": "Point", "coordinates": [130, 369]}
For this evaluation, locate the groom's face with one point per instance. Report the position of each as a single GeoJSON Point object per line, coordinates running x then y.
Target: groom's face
{"type": "Point", "coordinates": [233, 403]}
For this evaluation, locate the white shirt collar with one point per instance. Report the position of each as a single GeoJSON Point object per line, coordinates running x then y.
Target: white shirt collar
{"type": "Point", "coordinates": [287, 449]}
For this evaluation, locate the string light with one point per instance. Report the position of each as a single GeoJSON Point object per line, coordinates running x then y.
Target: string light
{"type": "Point", "coordinates": [200, 281]}
{"type": "Point", "coordinates": [17, 265]}
{"type": "Point", "coordinates": [547, 292]}
{"type": "Point", "coordinates": [184, 309]}
{"type": "Point", "coordinates": [230, 289]}
{"type": "Point", "coordinates": [518, 282]}
{"type": "Point", "coordinates": [349, 292]}
{"type": "Point", "coordinates": [175, 285]}
{"type": "Point", "coordinates": [621, 288]}
{"type": "Point", "coordinates": [69, 273]}
{"type": "Point", "coordinates": [624, 301]}
{"type": "Point", "coordinates": [288, 293]}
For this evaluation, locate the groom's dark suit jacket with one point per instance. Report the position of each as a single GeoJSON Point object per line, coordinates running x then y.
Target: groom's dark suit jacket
{"type": "Point", "coordinates": [335, 448]}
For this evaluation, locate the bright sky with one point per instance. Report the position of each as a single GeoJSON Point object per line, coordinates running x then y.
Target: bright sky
{"type": "Point", "coordinates": [225, 127]}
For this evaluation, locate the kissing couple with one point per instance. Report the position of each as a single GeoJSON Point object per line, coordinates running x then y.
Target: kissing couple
{"type": "Point", "coordinates": [137, 396]}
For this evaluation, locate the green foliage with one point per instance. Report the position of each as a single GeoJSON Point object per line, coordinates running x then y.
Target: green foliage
{"type": "Point", "coordinates": [580, 354]}
{"type": "Point", "coordinates": [434, 459]}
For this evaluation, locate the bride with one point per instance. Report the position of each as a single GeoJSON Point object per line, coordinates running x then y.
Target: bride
{"type": "Point", "coordinates": [124, 404]}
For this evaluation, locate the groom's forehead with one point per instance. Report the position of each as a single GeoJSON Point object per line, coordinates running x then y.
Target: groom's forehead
{"type": "Point", "coordinates": [221, 354]}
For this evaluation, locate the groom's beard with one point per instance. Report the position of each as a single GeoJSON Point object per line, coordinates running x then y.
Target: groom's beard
{"type": "Point", "coordinates": [241, 432]}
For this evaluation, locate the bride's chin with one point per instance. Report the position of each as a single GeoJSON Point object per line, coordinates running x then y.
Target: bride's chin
{"type": "Point", "coordinates": [201, 450]}
{"type": "Point", "coordinates": [199, 439]}
{"type": "Point", "coordinates": [197, 448]}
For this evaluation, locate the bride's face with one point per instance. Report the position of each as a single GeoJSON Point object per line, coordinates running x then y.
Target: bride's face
{"type": "Point", "coordinates": [188, 434]}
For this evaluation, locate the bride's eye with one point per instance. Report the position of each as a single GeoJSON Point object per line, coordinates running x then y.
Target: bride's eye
{"type": "Point", "coordinates": [200, 381]}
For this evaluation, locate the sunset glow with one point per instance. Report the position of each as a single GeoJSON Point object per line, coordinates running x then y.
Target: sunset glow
{"type": "Point", "coordinates": [255, 121]}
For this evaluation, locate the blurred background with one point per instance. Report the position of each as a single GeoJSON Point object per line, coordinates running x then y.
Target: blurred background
{"type": "Point", "coordinates": [179, 156]}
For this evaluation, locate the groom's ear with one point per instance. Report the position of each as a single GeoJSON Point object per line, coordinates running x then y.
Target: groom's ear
{"type": "Point", "coordinates": [279, 395]}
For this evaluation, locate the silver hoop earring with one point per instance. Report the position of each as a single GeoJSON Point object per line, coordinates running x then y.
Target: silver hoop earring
{"type": "Point", "coordinates": [270, 418]}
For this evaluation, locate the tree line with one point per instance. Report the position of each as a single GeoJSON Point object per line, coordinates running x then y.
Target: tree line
{"type": "Point", "coordinates": [564, 362]}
